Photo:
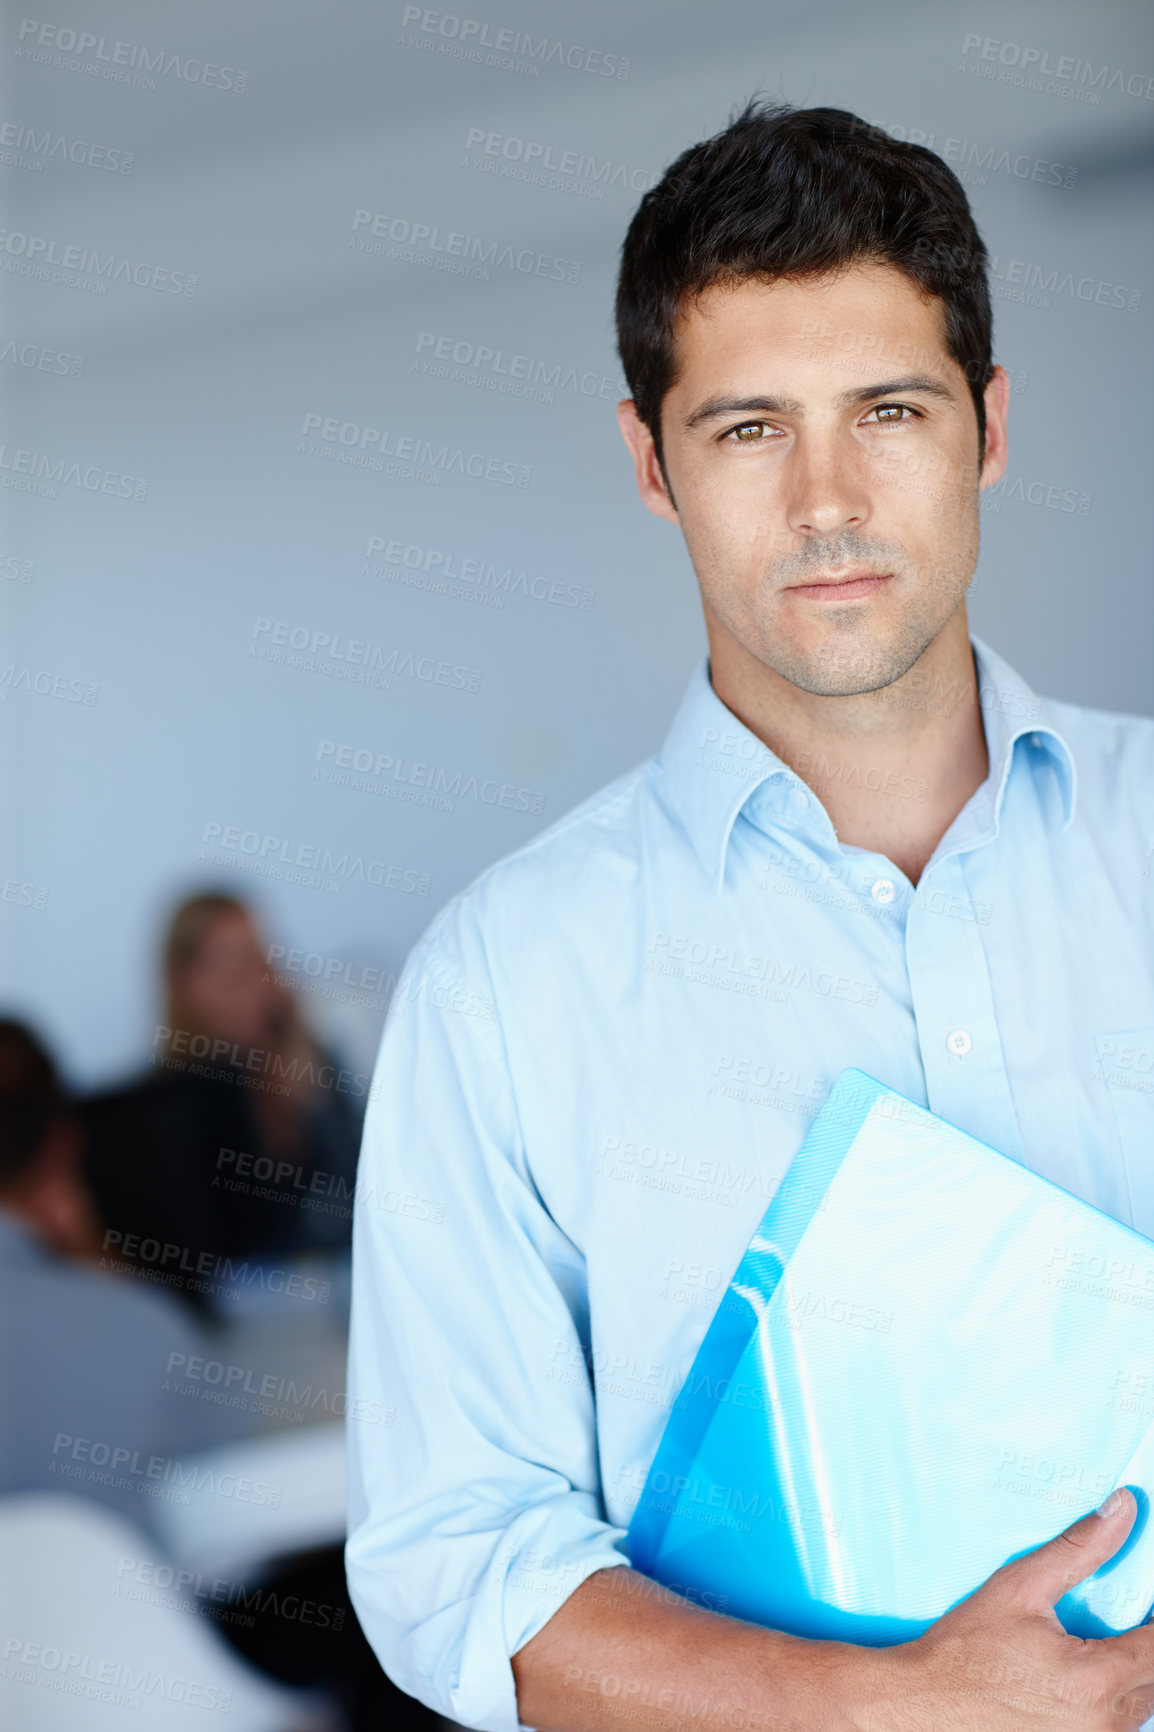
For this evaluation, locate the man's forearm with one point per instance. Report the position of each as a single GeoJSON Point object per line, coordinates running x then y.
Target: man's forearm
{"type": "Point", "coordinates": [625, 1652]}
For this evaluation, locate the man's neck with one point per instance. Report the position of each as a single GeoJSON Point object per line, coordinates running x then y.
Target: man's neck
{"type": "Point", "coordinates": [893, 768]}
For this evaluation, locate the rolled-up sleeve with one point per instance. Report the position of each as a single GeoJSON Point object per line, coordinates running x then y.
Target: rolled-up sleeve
{"type": "Point", "coordinates": [475, 1507]}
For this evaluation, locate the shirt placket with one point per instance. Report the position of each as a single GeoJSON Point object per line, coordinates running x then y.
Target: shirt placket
{"type": "Point", "coordinates": [950, 989]}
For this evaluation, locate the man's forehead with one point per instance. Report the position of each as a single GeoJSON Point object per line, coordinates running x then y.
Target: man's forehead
{"type": "Point", "coordinates": [851, 319]}
{"type": "Point", "coordinates": [862, 280]}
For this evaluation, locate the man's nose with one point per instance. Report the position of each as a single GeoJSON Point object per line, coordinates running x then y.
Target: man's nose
{"type": "Point", "coordinates": [827, 491]}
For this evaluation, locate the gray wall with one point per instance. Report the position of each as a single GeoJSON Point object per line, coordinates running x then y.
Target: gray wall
{"type": "Point", "coordinates": [158, 725]}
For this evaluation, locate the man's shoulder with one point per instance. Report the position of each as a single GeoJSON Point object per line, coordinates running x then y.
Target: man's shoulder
{"type": "Point", "coordinates": [1107, 741]}
{"type": "Point", "coordinates": [572, 866]}
{"type": "Point", "coordinates": [82, 1304]}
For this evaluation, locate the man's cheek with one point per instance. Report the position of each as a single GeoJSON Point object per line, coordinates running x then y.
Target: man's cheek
{"type": "Point", "coordinates": [930, 476]}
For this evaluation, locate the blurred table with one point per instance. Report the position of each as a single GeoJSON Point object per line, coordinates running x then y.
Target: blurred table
{"type": "Point", "coordinates": [253, 1502]}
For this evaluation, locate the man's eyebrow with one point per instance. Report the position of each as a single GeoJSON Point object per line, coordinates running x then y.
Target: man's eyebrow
{"type": "Point", "coordinates": [717, 406]}
{"type": "Point", "coordinates": [890, 387]}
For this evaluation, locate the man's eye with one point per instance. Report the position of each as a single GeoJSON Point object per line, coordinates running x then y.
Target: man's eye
{"type": "Point", "coordinates": [891, 412]}
{"type": "Point", "coordinates": [749, 432]}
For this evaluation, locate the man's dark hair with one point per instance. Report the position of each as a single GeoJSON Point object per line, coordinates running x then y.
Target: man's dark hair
{"type": "Point", "coordinates": [792, 193]}
{"type": "Point", "coordinates": [31, 1100]}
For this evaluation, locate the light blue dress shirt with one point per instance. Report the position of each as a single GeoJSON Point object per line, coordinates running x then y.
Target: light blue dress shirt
{"type": "Point", "coordinates": [601, 1059]}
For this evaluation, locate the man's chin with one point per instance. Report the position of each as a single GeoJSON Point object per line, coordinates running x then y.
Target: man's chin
{"type": "Point", "coordinates": [843, 670]}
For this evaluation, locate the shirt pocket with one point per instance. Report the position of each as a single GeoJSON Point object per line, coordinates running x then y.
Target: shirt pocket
{"type": "Point", "coordinates": [1126, 1064]}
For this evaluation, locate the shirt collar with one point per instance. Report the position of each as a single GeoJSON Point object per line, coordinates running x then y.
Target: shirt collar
{"type": "Point", "coordinates": [1011, 711]}
{"type": "Point", "coordinates": [711, 762]}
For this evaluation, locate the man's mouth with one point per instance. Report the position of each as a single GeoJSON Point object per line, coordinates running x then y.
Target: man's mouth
{"type": "Point", "coordinates": [843, 587]}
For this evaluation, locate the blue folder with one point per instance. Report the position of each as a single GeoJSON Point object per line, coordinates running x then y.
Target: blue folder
{"type": "Point", "coordinates": [929, 1360]}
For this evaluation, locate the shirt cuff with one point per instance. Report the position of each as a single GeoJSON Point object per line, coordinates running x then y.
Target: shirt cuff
{"type": "Point", "coordinates": [541, 1558]}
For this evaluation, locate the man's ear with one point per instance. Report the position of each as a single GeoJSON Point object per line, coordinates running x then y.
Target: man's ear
{"type": "Point", "coordinates": [997, 399]}
{"type": "Point", "coordinates": [651, 485]}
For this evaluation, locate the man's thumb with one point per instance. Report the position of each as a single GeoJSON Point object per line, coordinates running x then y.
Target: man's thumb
{"type": "Point", "coordinates": [1040, 1578]}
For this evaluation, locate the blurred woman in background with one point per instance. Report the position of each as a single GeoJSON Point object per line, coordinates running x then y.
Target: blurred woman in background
{"type": "Point", "coordinates": [241, 1139]}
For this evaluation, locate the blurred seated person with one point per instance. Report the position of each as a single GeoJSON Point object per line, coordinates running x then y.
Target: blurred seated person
{"type": "Point", "coordinates": [241, 1139]}
{"type": "Point", "coordinates": [91, 1406]}
{"type": "Point", "coordinates": [94, 1404]}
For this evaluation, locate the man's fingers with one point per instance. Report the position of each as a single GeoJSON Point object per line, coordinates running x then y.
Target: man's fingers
{"type": "Point", "coordinates": [1132, 1655]}
{"type": "Point", "coordinates": [1038, 1580]}
{"type": "Point", "coordinates": [1134, 1708]}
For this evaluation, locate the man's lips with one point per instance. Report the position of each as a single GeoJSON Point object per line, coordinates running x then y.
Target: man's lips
{"type": "Point", "coordinates": [844, 588]}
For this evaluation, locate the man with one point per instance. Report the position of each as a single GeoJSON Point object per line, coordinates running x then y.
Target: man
{"type": "Point", "coordinates": [864, 842]}
{"type": "Point", "coordinates": [92, 1407]}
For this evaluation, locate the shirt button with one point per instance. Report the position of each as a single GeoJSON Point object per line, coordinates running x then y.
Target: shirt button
{"type": "Point", "coordinates": [959, 1042]}
{"type": "Point", "coordinates": [883, 890]}
{"type": "Point", "coordinates": [799, 798]}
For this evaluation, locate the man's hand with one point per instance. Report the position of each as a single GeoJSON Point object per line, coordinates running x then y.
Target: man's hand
{"type": "Point", "coordinates": [623, 1652]}
{"type": "Point", "coordinates": [1001, 1661]}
